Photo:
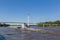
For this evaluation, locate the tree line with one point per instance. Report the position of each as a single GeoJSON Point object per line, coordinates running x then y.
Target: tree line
{"type": "Point", "coordinates": [4, 25]}
{"type": "Point", "coordinates": [50, 23]}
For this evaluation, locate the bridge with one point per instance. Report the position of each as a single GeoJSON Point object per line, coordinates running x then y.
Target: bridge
{"type": "Point", "coordinates": [17, 24]}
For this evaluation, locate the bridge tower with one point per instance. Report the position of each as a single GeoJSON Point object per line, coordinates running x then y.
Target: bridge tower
{"type": "Point", "coordinates": [25, 25]}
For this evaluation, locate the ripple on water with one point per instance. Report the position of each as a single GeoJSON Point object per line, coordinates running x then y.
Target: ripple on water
{"type": "Point", "coordinates": [19, 34]}
{"type": "Point", "coordinates": [2, 37]}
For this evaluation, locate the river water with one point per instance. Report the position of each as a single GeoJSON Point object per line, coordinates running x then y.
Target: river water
{"type": "Point", "coordinates": [21, 34]}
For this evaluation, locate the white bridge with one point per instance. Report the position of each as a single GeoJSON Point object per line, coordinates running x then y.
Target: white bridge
{"type": "Point", "coordinates": [17, 24]}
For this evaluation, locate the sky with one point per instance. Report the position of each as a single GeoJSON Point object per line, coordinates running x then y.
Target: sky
{"type": "Point", "coordinates": [38, 10]}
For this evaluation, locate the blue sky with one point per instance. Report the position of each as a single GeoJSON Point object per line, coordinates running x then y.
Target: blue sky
{"type": "Point", "coordinates": [38, 10]}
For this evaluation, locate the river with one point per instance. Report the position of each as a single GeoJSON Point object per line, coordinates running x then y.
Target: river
{"type": "Point", "coordinates": [21, 34]}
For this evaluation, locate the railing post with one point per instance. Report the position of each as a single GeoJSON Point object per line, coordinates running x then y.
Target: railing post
{"type": "Point", "coordinates": [43, 25]}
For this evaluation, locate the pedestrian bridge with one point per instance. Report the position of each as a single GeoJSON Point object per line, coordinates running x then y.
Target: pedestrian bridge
{"type": "Point", "coordinates": [17, 24]}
